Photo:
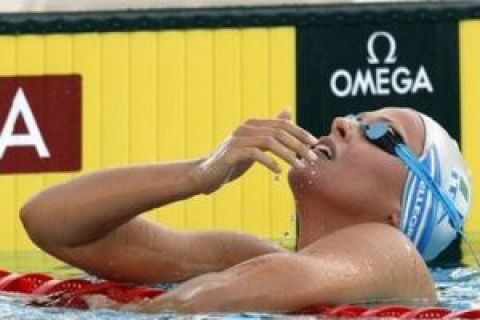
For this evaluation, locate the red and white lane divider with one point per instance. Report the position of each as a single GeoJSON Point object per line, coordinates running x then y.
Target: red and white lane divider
{"type": "Point", "coordinates": [70, 293]}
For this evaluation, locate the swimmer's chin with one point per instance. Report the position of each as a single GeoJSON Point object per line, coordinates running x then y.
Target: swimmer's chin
{"type": "Point", "coordinates": [299, 178]}
{"type": "Point", "coordinates": [294, 173]}
{"type": "Point", "coordinates": [308, 166]}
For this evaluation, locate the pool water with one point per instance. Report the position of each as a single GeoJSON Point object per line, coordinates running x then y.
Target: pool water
{"type": "Point", "coordinates": [458, 289]}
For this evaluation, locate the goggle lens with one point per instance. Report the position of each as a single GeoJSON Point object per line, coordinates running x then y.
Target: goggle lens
{"type": "Point", "coordinates": [379, 133]}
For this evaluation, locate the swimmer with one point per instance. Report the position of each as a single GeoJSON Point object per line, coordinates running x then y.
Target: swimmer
{"type": "Point", "coordinates": [367, 222]}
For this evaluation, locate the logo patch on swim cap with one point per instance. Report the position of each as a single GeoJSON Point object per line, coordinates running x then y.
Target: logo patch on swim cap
{"type": "Point", "coordinates": [458, 190]}
{"type": "Point", "coordinates": [464, 189]}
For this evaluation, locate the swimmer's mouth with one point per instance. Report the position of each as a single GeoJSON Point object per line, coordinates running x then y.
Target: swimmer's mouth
{"type": "Point", "coordinates": [324, 150]}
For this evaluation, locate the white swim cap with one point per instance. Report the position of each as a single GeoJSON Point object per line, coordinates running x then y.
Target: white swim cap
{"type": "Point", "coordinates": [425, 219]}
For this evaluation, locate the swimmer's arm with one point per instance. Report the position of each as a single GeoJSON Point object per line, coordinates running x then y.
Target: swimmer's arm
{"type": "Point", "coordinates": [142, 251]}
{"type": "Point", "coordinates": [354, 264]}
{"type": "Point", "coordinates": [87, 208]}
{"type": "Point", "coordinates": [91, 222]}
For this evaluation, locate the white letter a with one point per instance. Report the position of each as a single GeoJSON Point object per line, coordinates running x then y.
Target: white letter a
{"type": "Point", "coordinates": [33, 137]}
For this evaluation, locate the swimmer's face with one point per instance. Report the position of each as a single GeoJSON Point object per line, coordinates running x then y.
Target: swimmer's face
{"type": "Point", "coordinates": [358, 178]}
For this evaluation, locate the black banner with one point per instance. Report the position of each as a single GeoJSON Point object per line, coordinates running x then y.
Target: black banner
{"type": "Point", "coordinates": [350, 68]}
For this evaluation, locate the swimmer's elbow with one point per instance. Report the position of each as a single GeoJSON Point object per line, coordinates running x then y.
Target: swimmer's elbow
{"type": "Point", "coordinates": [30, 216]}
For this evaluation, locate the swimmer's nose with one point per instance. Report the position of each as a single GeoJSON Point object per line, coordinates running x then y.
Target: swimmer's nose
{"type": "Point", "coordinates": [343, 127]}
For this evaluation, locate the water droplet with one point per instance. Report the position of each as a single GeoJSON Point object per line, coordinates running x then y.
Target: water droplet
{"type": "Point", "coordinates": [310, 182]}
{"type": "Point", "coordinates": [313, 172]}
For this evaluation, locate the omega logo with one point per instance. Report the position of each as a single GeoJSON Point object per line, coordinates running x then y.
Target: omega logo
{"type": "Point", "coordinates": [382, 79]}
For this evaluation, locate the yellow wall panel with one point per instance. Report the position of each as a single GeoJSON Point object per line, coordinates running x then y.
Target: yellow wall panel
{"type": "Point", "coordinates": [227, 115]}
{"type": "Point", "coordinates": [87, 62]}
{"type": "Point", "coordinates": [198, 116]}
{"type": "Point", "coordinates": [256, 103]}
{"type": "Point", "coordinates": [143, 99]}
{"type": "Point", "coordinates": [8, 206]}
{"type": "Point", "coordinates": [171, 111]}
{"type": "Point", "coordinates": [115, 104]}
{"type": "Point", "coordinates": [163, 96]}
{"type": "Point", "coordinates": [470, 111]}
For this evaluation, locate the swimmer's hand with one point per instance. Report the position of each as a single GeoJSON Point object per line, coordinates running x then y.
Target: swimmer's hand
{"type": "Point", "coordinates": [248, 144]}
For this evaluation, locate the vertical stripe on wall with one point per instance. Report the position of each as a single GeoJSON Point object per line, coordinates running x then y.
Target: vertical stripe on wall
{"type": "Point", "coordinates": [470, 110]}
{"type": "Point", "coordinates": [198, 116]}
{"type": "Point", "coordinates": [255, 100]}
{"type": "Point", "coordinates": [227, 115]}
{"type": "Point", "coordinates": [8, 183]}
{"type": "Point", "coordinates": [171, 71]}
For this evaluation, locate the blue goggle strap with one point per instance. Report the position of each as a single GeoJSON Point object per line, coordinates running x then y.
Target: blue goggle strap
{"type": "Point", "coordinates": [411, 161]}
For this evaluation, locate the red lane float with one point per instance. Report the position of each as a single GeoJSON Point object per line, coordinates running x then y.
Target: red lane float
{"type": "Point", "coordinates": [25, 283]}
{"type": "Point", "coordinates": [392, 311]}
{"type": "Point", "coordinates": [70, 293]}
{"type": "Point", "coordinates": [69, 285]}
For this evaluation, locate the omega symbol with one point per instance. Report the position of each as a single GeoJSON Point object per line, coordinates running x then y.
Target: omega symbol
{"type": "Point", "coordinates": [372, 56]}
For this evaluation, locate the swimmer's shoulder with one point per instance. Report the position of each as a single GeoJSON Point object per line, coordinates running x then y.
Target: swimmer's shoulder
{"type": "Point", "coordinates": [381, 254]}
{"type": "Point", "coordinates": [377, 238]}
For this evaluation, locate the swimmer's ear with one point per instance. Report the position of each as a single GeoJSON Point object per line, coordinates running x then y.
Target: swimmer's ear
{"type": "Point", "coordinates": [394, 219]}
{"type": "Point", "coordinates": [284, 114]}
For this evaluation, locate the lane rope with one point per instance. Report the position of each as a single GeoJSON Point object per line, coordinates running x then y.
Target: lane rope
{"type": "Point", "coordinates": [49, 292]}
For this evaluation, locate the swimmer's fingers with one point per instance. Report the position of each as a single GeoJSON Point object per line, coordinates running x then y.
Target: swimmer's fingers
{"type": "Point", "coordinates": [259, 156]}
{"type": "Point", "coordinates": [252, 148]}
{"type": "Point", "coordinates": [287, 125]}
{"type": "Point", "coordinates": [278, 141]}
{"type": "Point", "coordinates": [228, 163]}
{"type": "Point", "coordinates": [248, 144]}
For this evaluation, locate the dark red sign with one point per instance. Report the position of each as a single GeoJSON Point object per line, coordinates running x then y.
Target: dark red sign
{"type": "Point", "coordinates": [40, 123]}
